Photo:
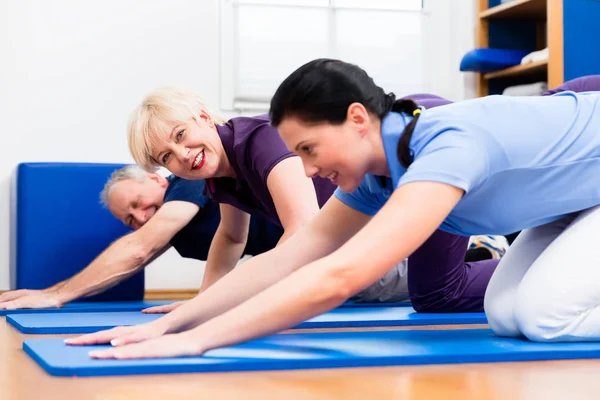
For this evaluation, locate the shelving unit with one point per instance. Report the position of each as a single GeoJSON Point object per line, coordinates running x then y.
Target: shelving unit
{"type": "Point", "coordinates": [569, 28]}
{"type": "Point", "coordinates": [519, 70]}
{"type": "Point", "coordinates": [535, 9]}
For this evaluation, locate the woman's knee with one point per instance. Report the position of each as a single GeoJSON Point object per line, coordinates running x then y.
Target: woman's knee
{"type": "Point", "coordinates": [499, 311]}
{"type": "Point", "coordinates": [541, 321]}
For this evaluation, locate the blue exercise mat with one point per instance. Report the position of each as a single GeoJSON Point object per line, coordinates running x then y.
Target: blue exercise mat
{"type": "Point", "coordinates": [316, 350]}
{"type": "Point", "coordinates": [65, 323]}
{"type": "Point", "coordinates": [103, 306]}
{"type": "Point", "coordinates": [351, 303]}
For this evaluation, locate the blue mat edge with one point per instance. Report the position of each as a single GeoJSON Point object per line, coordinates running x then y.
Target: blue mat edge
{"type": "Point", "coordinates": [53, 330]}
{"type": "Point", "coordinates": [545, 355]}
{"type": "Point", "coordinates": [304, 325]}
{"type": "Point", "coordinates": [136, 305]}
{"type": "Point", "coordinates": [388, 323]}
{"type": "Point", "coordinates": [152, 303]}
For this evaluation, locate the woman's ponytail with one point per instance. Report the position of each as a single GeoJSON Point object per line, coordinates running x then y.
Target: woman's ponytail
{"type": "Point", "coordinates": [406, 106]}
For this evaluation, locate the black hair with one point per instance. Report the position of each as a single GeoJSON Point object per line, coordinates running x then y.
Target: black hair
{"type": "Point", "coordinates": [323, 89]}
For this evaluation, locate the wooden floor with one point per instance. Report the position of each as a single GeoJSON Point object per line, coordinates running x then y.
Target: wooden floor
{"type": "Point", "coordinates": [22, 379]}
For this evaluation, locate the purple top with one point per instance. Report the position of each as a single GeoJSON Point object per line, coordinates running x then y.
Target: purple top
{"type": "Point", "coordinates": [253, 148]}
{"type": "Point", "coordinates": [428, 100]}
{"type": "Point", "coordinates": [589, 83]}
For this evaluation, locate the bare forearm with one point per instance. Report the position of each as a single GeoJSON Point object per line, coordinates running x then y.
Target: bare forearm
{"type": "Point", "coordinates": [56, 286]}
{"type": "Point", "coordinates": [244, 282]}
{"type": "Point", "coordinates": [317, 239]}
{"type": "Point", "coordinates": [223, 256]}
{"type": "Point", "coordinates": [308, 292]}
{"type": "Point", "coordinates": [286, 235]}
{"type": "Point", "coordinates": [119, 261]}
{"type": "Point", "coordinates": [418, 208]}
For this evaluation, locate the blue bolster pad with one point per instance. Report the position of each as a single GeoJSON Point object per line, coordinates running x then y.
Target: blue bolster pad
{"type": "Point", "coordinates": [316, 350]}
{"type": "Point", "coordinates": [58, 226]}
{"type": "Point", "coordinates": [65, 323]}
{"type": "Point", "coordinates": [490, 60]}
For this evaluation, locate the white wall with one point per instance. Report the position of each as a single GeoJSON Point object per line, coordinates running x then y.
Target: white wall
{"type": "Point", "coordinates": [71, 70]}
{"type": "Point", "coordinates": [450, 33]}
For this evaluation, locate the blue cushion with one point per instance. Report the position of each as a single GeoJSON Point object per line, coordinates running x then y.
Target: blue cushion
{"type": "Point", "coordinates": [58, 226]}
{"type": "Point", "coordinates": [490, 60]}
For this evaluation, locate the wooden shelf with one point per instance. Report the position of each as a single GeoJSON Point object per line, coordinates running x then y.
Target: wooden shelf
{"type": "Point", "coordinates": [525, 69]}
{"type": "Point", "coordinates": [517, 9]}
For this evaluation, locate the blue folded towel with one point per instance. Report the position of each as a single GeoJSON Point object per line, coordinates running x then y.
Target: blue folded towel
{"type": "Point", "coordinates": [490, 60]}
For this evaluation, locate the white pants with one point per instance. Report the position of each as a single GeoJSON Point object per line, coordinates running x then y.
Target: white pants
{"type": "Point", "coordinates": [392, 287]}
{"type": "Point", "coordinates": [547, 286]}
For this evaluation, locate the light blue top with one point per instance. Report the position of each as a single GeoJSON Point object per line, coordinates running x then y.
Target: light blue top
{"type": "Point", "coordinates": [522, 161]}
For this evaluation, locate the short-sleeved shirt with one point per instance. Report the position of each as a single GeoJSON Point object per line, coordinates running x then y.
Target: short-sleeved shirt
{"type": "Point", "coordinates": [522, 161]}
{"type": "Point", "coordinates": [253, 148]}
{"type": "Point", "coordinates": [193, 241]}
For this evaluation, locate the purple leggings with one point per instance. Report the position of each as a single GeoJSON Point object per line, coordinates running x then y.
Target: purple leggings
{"type": "Point", "coordinates": [439, 279]}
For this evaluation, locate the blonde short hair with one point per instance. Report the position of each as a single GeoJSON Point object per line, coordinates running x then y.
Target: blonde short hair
{"type": "Point", "coordinates": [160, 108]}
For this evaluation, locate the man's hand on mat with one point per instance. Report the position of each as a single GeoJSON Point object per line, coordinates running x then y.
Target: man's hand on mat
{"type": "Point", "coordinates": [16, 299]}
{"type": "Point", "coordinates": [172, 345]}
{"type": "Point", "coordinates": [121, 335]}
{"type": "Point", "coordinates": [167, 308]}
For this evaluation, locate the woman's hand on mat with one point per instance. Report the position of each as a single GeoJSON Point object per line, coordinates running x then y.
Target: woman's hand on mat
{"type": "Point", "coordinates": [121, 335]}
{"type": "Point", "coordinates": [167, 308]}
{"type": "Point", "coordinates": [172, 345]}
{"type": "Point", "coordinates": [17, 299]}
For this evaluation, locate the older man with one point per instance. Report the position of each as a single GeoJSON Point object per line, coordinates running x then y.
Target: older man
{"type": "Point", "coordinates": [163, 212]}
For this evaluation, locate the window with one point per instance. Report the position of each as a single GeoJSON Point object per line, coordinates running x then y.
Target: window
{"type": "Point", "coordinates": [263, 41]}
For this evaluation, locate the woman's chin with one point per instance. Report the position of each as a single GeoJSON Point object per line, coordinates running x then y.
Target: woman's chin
{"type": "Point", "coordinates": [347, 186]}
{"type": "Point", "coordinates": [189, 175]}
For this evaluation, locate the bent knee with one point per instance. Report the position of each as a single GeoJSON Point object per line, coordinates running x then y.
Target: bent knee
{"type": "Point", "coordinates": [499, 312]}
{"type": "Point", "coordinates": [540, 322]}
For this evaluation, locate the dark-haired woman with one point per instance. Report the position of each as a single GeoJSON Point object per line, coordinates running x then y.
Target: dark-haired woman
{"type": "Point", "coordinates": [492, 165]}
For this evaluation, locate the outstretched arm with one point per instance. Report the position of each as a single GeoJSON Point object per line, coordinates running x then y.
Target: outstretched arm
{"type": "Point", "coordinates": [120, 260]}
{"type": "Point", "coordinates": [330, 228]}
{"type": "Point", "coordinates": [293, 194]}
{"type": "Point", "coordinates": [227, 246]}
{"type": "Point", "coordinates": [410, 216]}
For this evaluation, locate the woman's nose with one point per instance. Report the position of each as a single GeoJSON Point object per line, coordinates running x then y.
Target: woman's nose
{"type": "Point", "coordinates": [310, 170]}
{"type": "Point", "coordinates": [183, 154]}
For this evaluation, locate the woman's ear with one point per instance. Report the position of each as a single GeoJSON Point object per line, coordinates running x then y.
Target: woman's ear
{"type": "Point", "coordinates": [206, 118]}
{"type": "Point", "coordinates": [359, 117]}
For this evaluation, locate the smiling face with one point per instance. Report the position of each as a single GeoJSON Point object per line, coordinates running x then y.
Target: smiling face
{"type": "Point", "coordinates": [191, 149]}
{"type": "Point", "coordinates": [134, 202]}
{"type": "Point", "coordinates": [342, 153]}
